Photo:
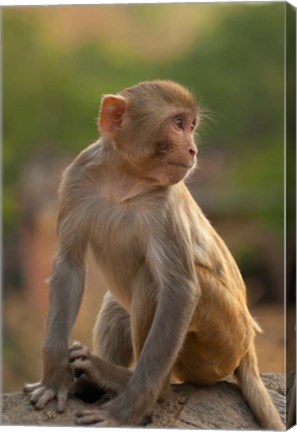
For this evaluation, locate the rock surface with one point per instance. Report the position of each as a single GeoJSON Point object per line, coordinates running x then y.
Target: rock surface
{"type": "Point", "coordinates": [220, 406]}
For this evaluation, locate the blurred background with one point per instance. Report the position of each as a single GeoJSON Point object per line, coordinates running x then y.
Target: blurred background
{"type": "Point", "coordinates": [58, 61]}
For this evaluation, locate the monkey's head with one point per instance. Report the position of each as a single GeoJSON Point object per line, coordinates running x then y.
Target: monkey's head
{"type": "Point", "coordinates": [151, 128]}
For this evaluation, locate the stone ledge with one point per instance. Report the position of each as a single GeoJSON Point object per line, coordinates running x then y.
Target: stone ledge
{"type": "Point", "coordinates": [220, 406]}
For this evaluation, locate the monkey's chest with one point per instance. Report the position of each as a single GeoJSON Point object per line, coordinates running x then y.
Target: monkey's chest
{"type": "Point", "coordinates": [118, 244]}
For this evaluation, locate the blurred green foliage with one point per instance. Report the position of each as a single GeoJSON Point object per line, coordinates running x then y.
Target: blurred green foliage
{"type": "Point", "coordinates": [235, 67]}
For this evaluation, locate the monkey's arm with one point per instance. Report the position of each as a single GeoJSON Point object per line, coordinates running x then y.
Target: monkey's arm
{"type": "Point", "coordinates": [66, 290]}
{"type": "Point", "coordinates": [173, 269]}
{"type": "Point", "coordinates": [176, 303]}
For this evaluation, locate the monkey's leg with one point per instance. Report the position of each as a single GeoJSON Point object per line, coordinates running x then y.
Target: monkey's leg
{"type": "Point", "coordinates": [97, 370]}
{"type": "Point", "coordinates": [112, 337]}
{"type": "Point", "coordinates": [112, 333]}
{"type": "Point", "coordinates": [102, 374]}
{"type": "Point", "coordinates": [112, 346]}
{"type": "Point", "coordinates": [191, 367]}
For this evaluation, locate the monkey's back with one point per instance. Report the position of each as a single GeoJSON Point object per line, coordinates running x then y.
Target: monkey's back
{"type": "Point", "coordinates": [222, 329]}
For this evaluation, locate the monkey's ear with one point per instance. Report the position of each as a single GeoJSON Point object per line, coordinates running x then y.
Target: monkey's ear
{"type": "Point", "coordinates": [111, 113]}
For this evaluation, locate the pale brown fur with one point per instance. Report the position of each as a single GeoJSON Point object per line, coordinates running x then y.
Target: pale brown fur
{"type": "Point", "coordinates": [176, 304]}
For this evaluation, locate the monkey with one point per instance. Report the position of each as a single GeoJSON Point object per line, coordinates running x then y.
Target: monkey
{"type": "Point", "coordinates": [176, 305]}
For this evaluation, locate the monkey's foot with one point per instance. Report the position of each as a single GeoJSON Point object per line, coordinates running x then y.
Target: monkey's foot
{"type": "Point", "coordinates": [80, 358]}
{"type": "Point", "coordinates": [96, 418]}
{"type": "Point", "coordinates": [40, 395]}
{"type": "Point", "coordinates": [81, 362]}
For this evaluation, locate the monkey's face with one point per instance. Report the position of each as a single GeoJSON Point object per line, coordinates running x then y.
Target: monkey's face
{"type": "Point", "coordinates": [163, 153]}
{"type": "Point", "coordinates": [151, 126]}
{"type": "Point", "coordinates": [176, 152]}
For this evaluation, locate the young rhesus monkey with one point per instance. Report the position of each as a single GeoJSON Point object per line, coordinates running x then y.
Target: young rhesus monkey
{"type": "Point", "coordinates": [176, 305]}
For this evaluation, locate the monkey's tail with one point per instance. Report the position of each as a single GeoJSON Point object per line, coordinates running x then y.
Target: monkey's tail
{"type": "Point", "coordinates": [256, 393]}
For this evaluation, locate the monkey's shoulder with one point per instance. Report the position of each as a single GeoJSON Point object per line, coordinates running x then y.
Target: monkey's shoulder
{"type": "Point", "coordinates": [91, 155]}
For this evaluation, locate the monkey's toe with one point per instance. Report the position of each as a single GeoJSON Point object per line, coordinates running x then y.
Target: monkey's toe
{"type": "Point", "coordinates": [47, 396]}
{"type": "Point", "coordinates": [28, 388]}
{"type": "Point", "coordinates": [81, 364]}
{"type": "Point", "coordinates": [76, 345]}
{"type": "Point", "coordinates": [106, 423]}
{"type": "Point", "coordinates": [78, 351]}
{"type": "Point", "coordinates": [91, 417]}
{"type": "Point", "coordinates": [36, 395]}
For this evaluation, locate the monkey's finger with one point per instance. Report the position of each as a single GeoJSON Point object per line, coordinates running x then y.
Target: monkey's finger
{"type": "Point", "coordinates": [45, 398]}
{"type": "Point", "coordinates": [62, 398]}
{"type": "Point", "coordinates": [36, 395]}
{"type": "Point", "coordinates": [28, 388]}
{"type": "Point", "coordinates": [77, 353]}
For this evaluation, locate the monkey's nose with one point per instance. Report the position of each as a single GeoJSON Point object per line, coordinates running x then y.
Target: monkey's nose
{"type": "Point", "coordinates": [193, 151]}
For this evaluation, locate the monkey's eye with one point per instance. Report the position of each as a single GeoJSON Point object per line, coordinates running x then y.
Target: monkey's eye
{"type": "Point", "coordinates": [193, 125]}
{"type": "Point", "coordinates": [179, 122]}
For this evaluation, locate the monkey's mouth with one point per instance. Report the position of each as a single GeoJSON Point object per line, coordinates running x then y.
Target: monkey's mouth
{"type": "Point", "coordinates": [180, 164]}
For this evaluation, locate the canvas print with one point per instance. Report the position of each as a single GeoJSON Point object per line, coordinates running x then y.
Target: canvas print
{"type": "Point", "coordinates": [149, 264]}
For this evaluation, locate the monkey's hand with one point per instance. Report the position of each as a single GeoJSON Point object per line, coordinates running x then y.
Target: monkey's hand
{"type": "Point", "coordinates": [81, 361]}
{"type": "Point", "coordinates": [124, 410]}
{"type": "Point", "coordinates": [57, 385]}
